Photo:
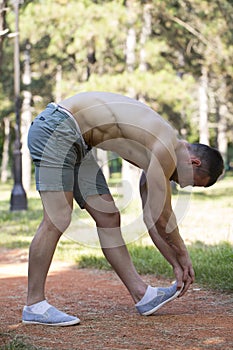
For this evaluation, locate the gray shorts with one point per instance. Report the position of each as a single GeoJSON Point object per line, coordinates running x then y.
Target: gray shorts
{"type": "Point", "coordinates": [62, 160]}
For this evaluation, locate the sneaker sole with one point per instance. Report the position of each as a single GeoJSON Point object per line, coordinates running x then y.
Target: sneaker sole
{"type": "Point", "coordinates": [61, 324]}
{"type": "Point", "coordinates": [150, 312]}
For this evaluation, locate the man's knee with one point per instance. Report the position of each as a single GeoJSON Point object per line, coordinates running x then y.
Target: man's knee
{"type": "Point", "coordinates": [58, 221]}
{"type": "Point", "coordinates": [108, 220]}
{"type": "Point", "coordinates": [103, 210]}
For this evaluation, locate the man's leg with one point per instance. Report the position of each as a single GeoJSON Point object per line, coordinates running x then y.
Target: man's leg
{"type": "Point", "coordinates": [148, 299]}
{"type": "Point", "coordinates": [104, 212]}
{"type": "Point", "coordinates": [57, 213]}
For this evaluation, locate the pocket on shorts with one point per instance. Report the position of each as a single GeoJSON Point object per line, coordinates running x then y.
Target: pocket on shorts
{"type": "Point", "coordinates": [50, 119]}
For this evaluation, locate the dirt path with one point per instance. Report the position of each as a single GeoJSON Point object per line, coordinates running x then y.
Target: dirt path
{"type": "Point", "coordinates": [199, 320]}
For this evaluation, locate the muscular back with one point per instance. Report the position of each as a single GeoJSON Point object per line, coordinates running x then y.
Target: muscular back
{"type": "Point", "coordinates": [120, 124]}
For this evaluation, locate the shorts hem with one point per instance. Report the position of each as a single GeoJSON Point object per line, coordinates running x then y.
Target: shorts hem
{"type": "Point", "coordinates": [53, 189]}
{"type": "Point", "coordinates": [81, 202]}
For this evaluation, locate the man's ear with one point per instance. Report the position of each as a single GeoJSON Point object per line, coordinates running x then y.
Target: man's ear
{"type": "Point", "coordinates": [195, 161]}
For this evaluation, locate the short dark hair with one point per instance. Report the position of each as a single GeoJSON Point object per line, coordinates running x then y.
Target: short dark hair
{"type": "Point", "coordinates": [211, 161]}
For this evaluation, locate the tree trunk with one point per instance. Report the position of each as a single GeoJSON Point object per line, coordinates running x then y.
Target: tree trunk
{"type": "Point", "coordinates": [131, 39]}
{"type": "Point", "coordinates": [91, 58]}
{"type": "Point", "coordinates": [203, 107]}
{"type": "Point", "coordinates": [145, 33]}
{"type": "Point", "coordinates": [26, 118]}
{"type": "Point", "coordinates": [130, 49]}
{"type": "Point", "coordinates": [3, 30]}
{"type": "Point", "coordinates": [222, 133]}
{"type": "Point", "coordinates": [129, 173]}
{"type": "Point", "coordinates": [5, 153]}
{"type": "Point", "coordinates": [130, 57]}
{"type": "Point", "coordinates": [58, 88]}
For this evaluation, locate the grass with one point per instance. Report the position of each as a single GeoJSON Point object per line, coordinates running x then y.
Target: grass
{"type": "Point", "coordinates": [213, 265]}
{"type": "Point", "coordinates": [206, 228]}
{"type": "Point", "coordinates": [17, 343]}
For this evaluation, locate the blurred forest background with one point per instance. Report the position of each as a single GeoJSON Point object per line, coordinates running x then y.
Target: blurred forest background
{"type": "Point", "coordinates": [176, 56]}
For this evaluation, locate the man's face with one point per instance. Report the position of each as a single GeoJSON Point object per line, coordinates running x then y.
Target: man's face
{"type": "Point", "coordinates": [199, 179]}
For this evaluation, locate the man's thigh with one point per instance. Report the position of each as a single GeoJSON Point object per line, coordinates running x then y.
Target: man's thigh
{"type": "Point", "coordinates": [57, 206]}
{"type": "Point", "coordinates": [89, 180]}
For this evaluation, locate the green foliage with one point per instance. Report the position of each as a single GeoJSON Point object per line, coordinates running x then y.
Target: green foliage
{"type": "Point", "coordinates": [18, 343]}
{"type": "Point", "coordinates": [88, 40]}
{"type": "Point", "coordinates": [146, 259]}
{"type": "Point", "coordinates": [17, 228]}
{"type": "Point", "coordinates": [210, 210]}
{"type": "Point", "coordinates": [93, 261]}
{"type": "Point", "coordinates": [213, 265]}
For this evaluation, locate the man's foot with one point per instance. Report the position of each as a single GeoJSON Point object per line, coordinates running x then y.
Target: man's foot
{"type": "Point", "coordinates": [52, 317]}
{"type": "Point", "coordinates": [163, 296]}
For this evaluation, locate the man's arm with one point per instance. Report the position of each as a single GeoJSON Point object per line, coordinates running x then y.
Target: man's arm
{"type": "Point", "coordinates": [158, 203]}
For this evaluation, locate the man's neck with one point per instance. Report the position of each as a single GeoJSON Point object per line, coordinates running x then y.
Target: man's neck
{"type": "Point", "coordinates": [174, 176]}
{"type": "Point", "coordinates": [183, 163]}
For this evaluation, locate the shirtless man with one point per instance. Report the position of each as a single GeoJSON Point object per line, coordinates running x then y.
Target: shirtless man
{"type": "Point", "coordinates": [60, 141]}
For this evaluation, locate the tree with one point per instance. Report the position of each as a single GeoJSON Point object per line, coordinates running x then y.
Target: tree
{"type": "Point", "coordinates": [203, 107]}
{"type": "Point", "coordinates": [26, 118]}
{"type": "Point", "coordinates": [5, 153]}
{"type": "Point", "coordinates": [6, 120]}
{"type": "Point", "coordinates": [3, 29]}
{"type": "Point", "coordinates": [165, 51]}
{"type": "Point", "coordinates": [202, 30]}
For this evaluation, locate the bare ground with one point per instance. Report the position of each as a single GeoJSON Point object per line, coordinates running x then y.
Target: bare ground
{"type": "Point", "coordinates": [199, 320]}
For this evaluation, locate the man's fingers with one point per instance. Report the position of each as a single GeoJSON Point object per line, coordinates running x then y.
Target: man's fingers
{"type": "Point", "coordinates": [192, 274]}
{"type": "Point", "coordinates": [185, 274]}
{"type": "Point", "coordinates": [184, 279]}
{"type": "Point", "coordinates": [188, 279]}
{"type": "Point", "coordinates": [179, 277]}
{"type": "Point", "coordinates": [186, 287]}
{"type": "Point", "coordinates": [188, 275]}
{"type": "Point", "coordinates": [187, 283]}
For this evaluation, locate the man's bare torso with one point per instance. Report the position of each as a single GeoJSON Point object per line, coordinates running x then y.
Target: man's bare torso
{"type": "Point", "coordinates": [121, 124]}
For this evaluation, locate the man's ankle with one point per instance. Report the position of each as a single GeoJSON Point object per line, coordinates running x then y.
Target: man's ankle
{"type": "Point", "coordinates": [138, 295]}
{"type": "Point", "coordinates": [34, 300]}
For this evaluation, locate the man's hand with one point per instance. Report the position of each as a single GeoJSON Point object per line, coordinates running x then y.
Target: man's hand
{"type": "Point", "coordinates": [184, 272]}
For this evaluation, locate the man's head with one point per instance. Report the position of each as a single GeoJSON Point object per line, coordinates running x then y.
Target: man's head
{"type": "Point", "coordinates": [207, 164]}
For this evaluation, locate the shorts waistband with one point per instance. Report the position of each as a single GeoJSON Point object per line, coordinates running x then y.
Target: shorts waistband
{"type": "Point", "coordinates": [64, 110]}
